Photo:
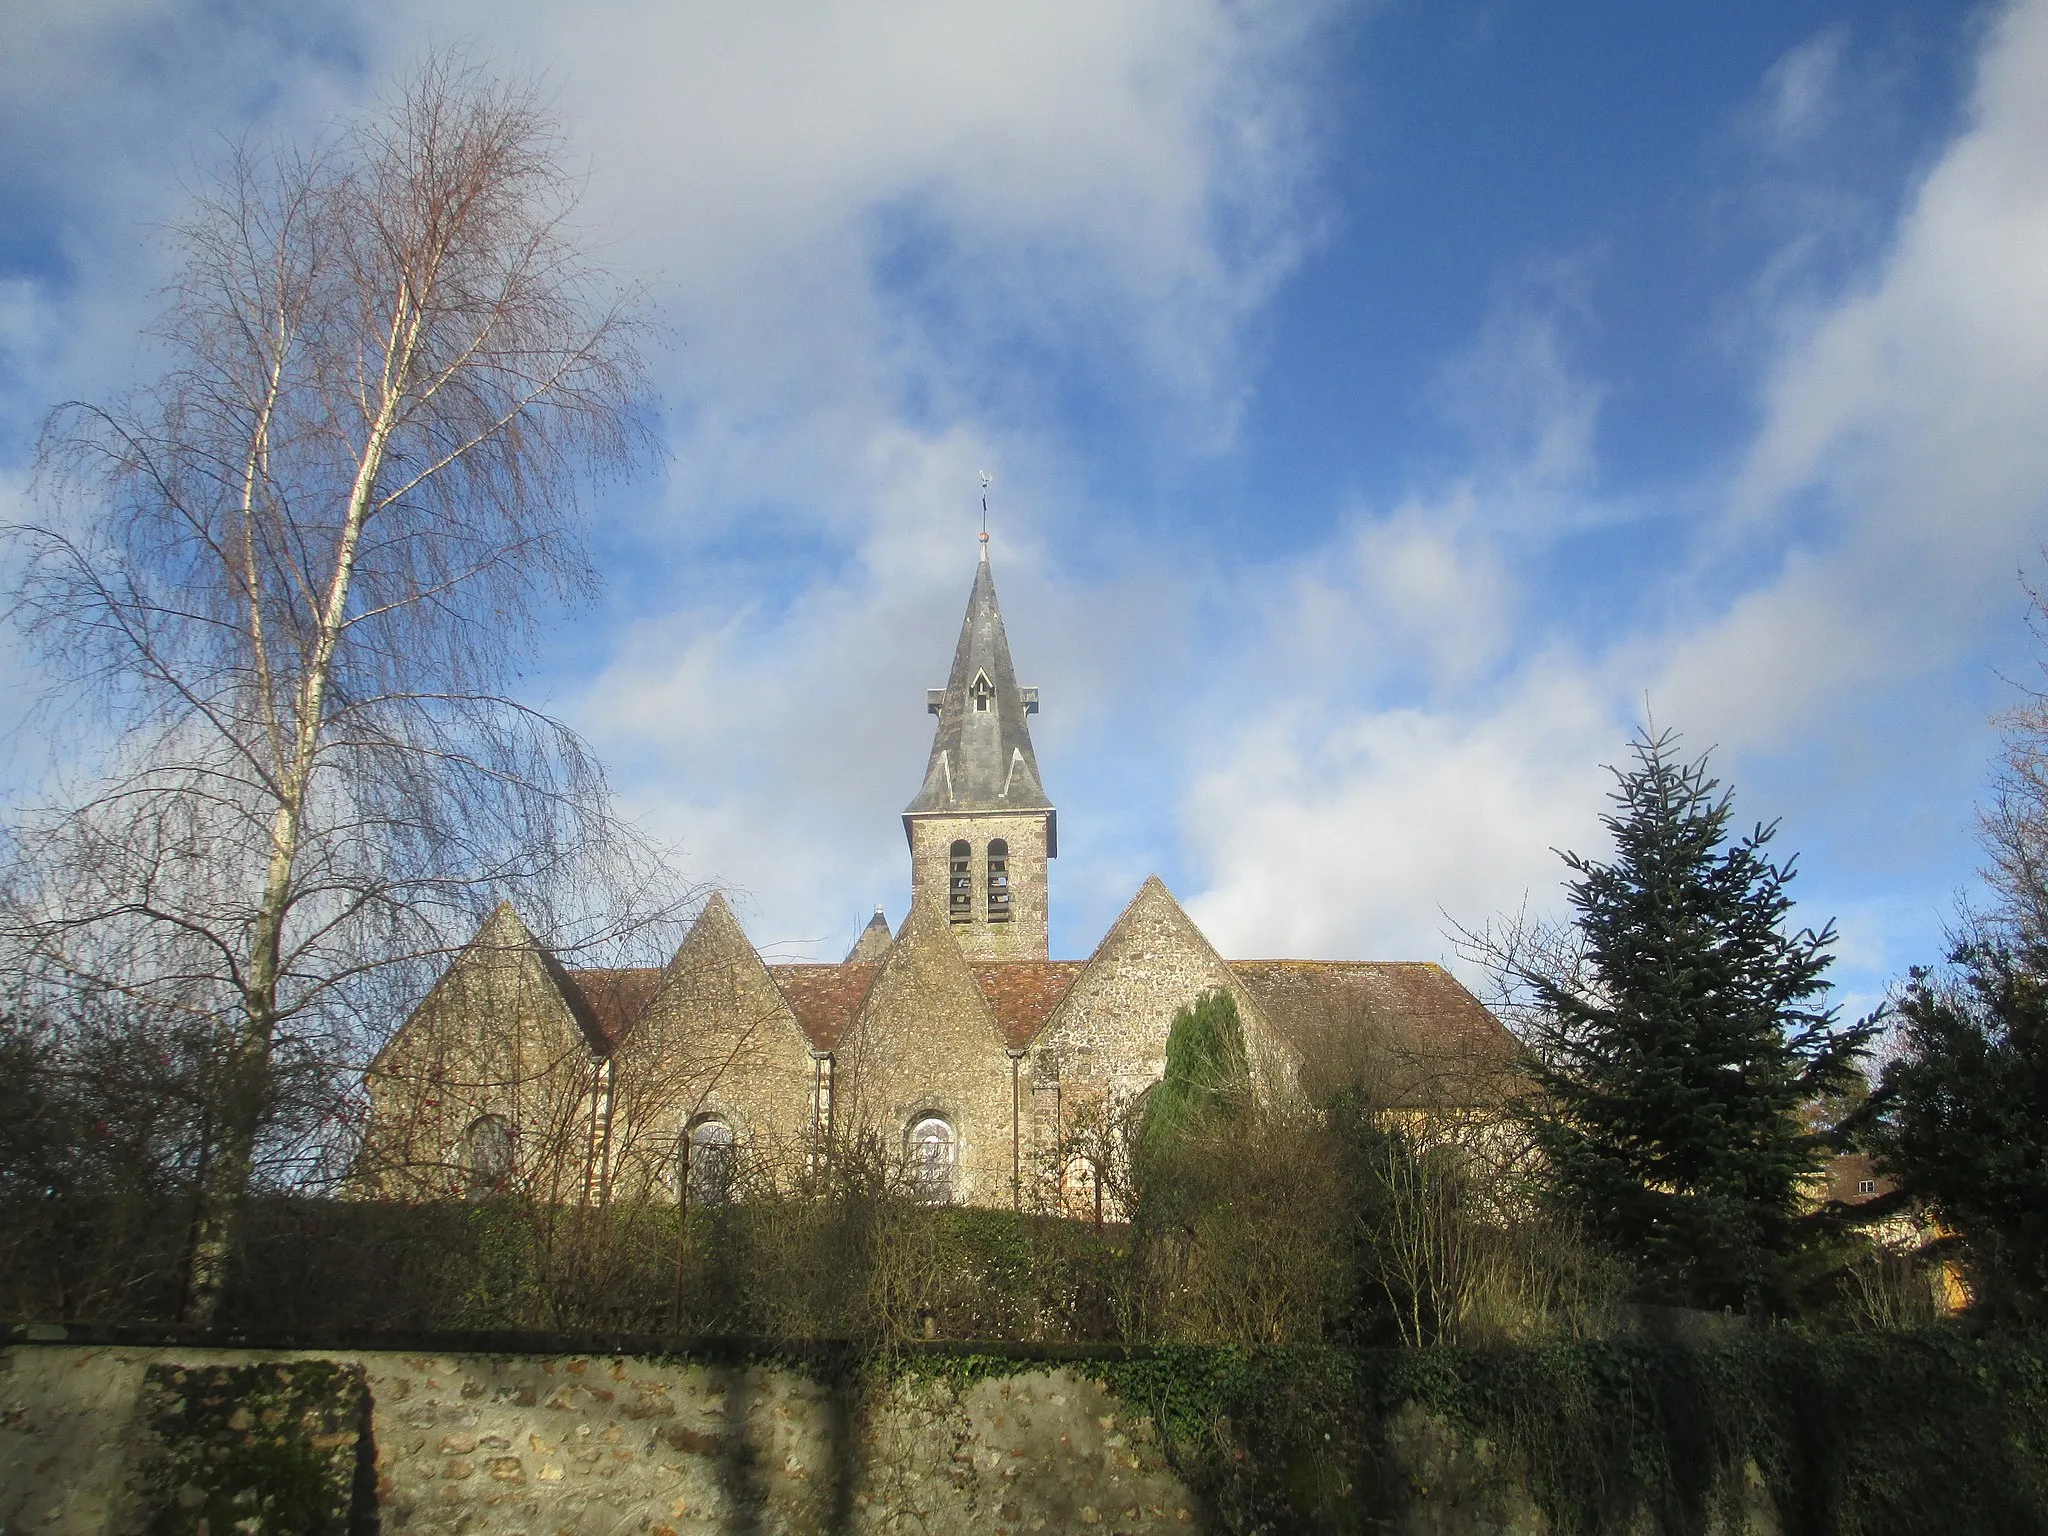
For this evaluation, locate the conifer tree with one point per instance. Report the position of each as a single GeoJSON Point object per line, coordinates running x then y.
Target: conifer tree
{"type": "Point", "coordinates": [1673, 1065]}
{"type": "Point", "coordinates": [1960, 1118]}
{"type": "Point", "coordinates": [1206, 1083]}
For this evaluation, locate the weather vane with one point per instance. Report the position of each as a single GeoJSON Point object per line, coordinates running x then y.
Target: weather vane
{"type": "Point", "coordinates": [987, 480]}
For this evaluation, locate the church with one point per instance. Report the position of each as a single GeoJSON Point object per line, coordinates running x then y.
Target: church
{"type": "Point", "coordinates": [955, 1045]}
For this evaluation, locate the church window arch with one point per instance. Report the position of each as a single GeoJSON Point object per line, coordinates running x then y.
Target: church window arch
{"type": "Point", "coordinates": [487, 1157]}
{"type": "Point", "coordinates": [999, 881]}
{"type": "Point", "coordinates": [931, 1155]}
{"type": "Point", "coordinates": [710, 1161]}
{"type": "Point", "coordinates": [983, 692]}
{"type": "Point", "coordinates": [960, 882]}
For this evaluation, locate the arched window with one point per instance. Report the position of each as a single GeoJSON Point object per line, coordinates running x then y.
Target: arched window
{"type": "Point", "coordinates": [710, 1162]}
{"type": "Point", "coordinates": [960, 894]}
{"type": "Point", "coordinates": [999, 881]}
{"type": "Point", "coordinates": [982, 691]}
{"type": "Point", "coordinates": [931, 1153]}
{"type": "Point", "coordinates": [486, 1157]}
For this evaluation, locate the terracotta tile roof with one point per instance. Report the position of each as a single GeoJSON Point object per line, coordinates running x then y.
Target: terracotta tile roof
{"type": "Point", "coordinates": [1408, 1028]}
{"type": "Point", "coordinates": [613, 1000]}
{"type": "Point", "coordinates": [1024, 993]}
{"type": "Point", "coordinates": [824, 998]}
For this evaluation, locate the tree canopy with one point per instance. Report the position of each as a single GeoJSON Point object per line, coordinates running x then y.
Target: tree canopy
{"type": "Point", "coordinates": [288, 586]}
{"type": "Point", "coordinates": [1960, 1116]}
{"type": "Point", "coordinates": [1673, 1063]}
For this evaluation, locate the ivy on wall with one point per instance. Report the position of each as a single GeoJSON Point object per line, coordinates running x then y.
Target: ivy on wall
{"type": "Point", "coordinates": [264, 1448]}
{"type": "Point", "coordinates": [1851, 1435]}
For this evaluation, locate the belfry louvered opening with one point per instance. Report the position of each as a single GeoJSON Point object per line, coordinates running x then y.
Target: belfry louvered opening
{"type": "Point", "coordinates": [999, 881]}
{"type": "Point", "coordinates": [960, 884]}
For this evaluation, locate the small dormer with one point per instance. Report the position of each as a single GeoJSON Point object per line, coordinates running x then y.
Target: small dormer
{"type": "Point", "coordinates": [981, 693]}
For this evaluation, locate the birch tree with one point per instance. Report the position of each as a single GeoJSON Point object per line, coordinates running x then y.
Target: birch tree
{"type": "Point", "coordinates": [288, 588]}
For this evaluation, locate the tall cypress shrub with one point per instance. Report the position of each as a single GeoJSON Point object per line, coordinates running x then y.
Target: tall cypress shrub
{"type": "Point", "coordinates": [1206, 1083]}
{"type": "Point", "coordinates": [1673, 1065]}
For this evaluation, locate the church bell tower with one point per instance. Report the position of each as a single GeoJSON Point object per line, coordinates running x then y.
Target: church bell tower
{"type": "Point", "coordinates": [982, 829]}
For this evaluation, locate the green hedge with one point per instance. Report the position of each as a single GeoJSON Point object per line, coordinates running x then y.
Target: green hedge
{"type": "Point", "coordinates": [1853, 1435]}
{"type": "Point", "coordinates": [865, 1271]}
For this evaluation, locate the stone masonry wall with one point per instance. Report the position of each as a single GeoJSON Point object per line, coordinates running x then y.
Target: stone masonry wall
{"type": "Point", "coordinates": [925, 1043]}
{"type": "Point", "coordinates": [496, 1037]}
{"type": "Point", "coordinates": [1026, 935]}
{"type": "Point", "coordinates": [1108, 1035]}
{"type": "Point", "coordinates": [592, 1446]}
{"type": "Point", "coordinates": [718, 1039]}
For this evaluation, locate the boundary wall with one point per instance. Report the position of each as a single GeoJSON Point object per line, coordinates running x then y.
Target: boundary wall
{"type": "Point", "coordinates": [106, 1436]}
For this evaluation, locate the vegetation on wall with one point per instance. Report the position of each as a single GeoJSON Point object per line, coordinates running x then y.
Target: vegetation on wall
{"type": "Point", "coordinates": [276, 1446]}
{"type": "Point", "coordinates": [1846, 1435]}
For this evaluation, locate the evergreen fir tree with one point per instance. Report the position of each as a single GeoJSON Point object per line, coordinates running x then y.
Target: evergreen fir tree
{"type": "Point", "coordinates": [1674, 1067]}
{"type": "Point", "coordinates": [1960, 1118]}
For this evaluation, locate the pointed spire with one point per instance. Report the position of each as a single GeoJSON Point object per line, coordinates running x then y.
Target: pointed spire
{"type": "Point", "coordinates": [981, 752]}
{"type": "Point", "coordinates": [874, 940]}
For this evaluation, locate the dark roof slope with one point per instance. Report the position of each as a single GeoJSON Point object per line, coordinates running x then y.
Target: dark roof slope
{"type": "Point", "coordinates": [1024, 993]}
{"type": "Point", "coordinates": [825, 998]}
{"type": "Point", "coordinates": [609, 1002]}
{"type": "Point", "coordinates": [1407, 1029]}
{"type": "Point", "coordinates": [981, 752]}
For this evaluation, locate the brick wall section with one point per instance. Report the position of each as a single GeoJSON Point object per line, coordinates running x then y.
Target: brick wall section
{"type": "Point", "coordinates": [497, 1035]}
{"type": "Point", "coordinates": [719, 1038]}
{"type": "Point", "coordinates": [1024, 936]}
{"type": "Point", "coordinates": [591, 1446]}
{"type": "Point", "coordinates": [925, 1042]}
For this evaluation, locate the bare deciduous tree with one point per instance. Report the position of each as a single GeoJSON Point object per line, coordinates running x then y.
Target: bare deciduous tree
{"type": "Point", "coordinates": [296, 577]}
{"type": "Point", "coordinates": [2015, 824]}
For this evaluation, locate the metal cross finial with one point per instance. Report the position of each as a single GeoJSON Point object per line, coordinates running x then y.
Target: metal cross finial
{"type": "Point", "coordinates": [987, 480]}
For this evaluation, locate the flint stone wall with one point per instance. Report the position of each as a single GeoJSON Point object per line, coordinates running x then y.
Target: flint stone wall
{"type": "Point", "coordinates": [475, 1443]}
{"type": "Point", "coordinates": [1026, 935]}
{"type": "Point", "coordinates": [925, 1042]}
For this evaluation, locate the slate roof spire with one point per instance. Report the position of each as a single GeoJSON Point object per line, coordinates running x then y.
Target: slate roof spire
{"type": "Point", "coordinates": [981, 752]}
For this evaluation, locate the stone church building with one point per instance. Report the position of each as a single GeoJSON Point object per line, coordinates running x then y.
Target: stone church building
{"type": "Point", "coordinates": [955, 1045]}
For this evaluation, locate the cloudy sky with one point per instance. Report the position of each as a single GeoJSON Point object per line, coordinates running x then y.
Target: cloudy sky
{"type": "Point", "coordinates": [1388, 405]}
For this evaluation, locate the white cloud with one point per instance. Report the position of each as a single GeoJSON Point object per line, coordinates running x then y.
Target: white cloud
{"type": "Point", "coordinates": [1903, 439]}
{"type": "Point", "coordinates": [1413, 735]}
{"type": "Point", "coordinates": [1800, 93]}
{"type": "Point", "coordinates": [859, 210]}
{"type": "Point", "coordinates": [869, 226]}
{"type": "Point", "coordinates": [1529, 413]}
{"type": "Point", "coordinates": [1836, 614]}
{"type": "Point", "coordinates": [1355, 838]}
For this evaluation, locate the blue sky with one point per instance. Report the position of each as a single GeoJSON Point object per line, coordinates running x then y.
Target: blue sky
{"type": "Point", "coordinates": [1387, 403]}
